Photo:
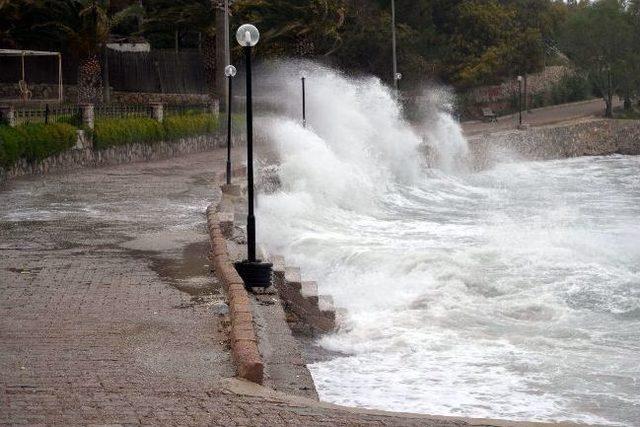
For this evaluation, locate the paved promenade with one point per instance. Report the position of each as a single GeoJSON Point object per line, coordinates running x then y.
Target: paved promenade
{"type": "Point", "coordinates": [542, 116]}
{"type": "Point", "coordinates": [106, 306]}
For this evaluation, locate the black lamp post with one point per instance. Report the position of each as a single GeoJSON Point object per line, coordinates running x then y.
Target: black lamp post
{"type": "Point", "coordinates": [520, 101]}
{"type": "Point", "coordinates": [304, 104]}
{"type": "Point", "coordinates": [254, 272]}
{"type": "Point", "coordinates": [230, 72]}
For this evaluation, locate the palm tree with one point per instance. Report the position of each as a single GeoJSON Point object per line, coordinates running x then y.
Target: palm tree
{"type": "Point", "coordinates": [85, 25]}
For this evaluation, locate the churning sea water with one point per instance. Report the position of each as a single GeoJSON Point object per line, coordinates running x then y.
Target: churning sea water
{"type": "Point", "coordinates": [512, 292]}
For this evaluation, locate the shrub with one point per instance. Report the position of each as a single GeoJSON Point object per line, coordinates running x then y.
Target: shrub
{"type": "Point", "coordinates": [11, 146]}
{"type": "Point", "coordinates": [571, 88]}
{"type": "Point", "coordinates": [34, 142]}
{"type": "Point", "coordinates": [189, 125]}
{"type": "Point", "coordinates": [111, 132]}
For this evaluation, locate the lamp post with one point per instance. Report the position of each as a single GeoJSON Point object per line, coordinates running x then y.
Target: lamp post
{"type": "Point", "coordinates": [398, 78]}
{"type": "Point", "coordinates": [230, 72]}
{"type": "Point", "coordinates": [519, 101]}
{"type": "Point", "coordinates": [254, 273]}
{"type": "Point", "coordinates": [304, 103]}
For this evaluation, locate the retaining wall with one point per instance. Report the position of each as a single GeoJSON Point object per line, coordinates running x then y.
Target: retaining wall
{"type": "Point", "coordinates": [89, 157]}
{"type": "Point", "coordinates": [585, 138]}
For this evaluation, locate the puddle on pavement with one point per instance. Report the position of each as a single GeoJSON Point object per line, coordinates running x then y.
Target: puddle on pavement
{"type": "Point", "coordinates": [190, 273]}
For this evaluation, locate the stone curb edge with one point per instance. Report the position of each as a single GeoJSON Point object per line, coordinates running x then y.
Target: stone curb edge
{"type": "Point", "coordinates": [244, 344]}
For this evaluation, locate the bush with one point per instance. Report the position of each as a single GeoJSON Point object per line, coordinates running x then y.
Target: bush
{"type": "Point", "coordinates": [111, 132]}
{"type": "Point", "coordinates": [185, 125]}
{"type": "Point", "coordinates": [130, 130]}
{"type": "Point", "coordinates": [571, 88]}
{"type": "Point", "coordinates": [34, 142]}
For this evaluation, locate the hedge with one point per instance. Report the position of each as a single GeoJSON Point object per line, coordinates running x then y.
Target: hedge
{"type": "Point", "coordinates": [182, 126]}
{"type": "Point", "coordinates": [34, 142]}
{"type": "Point", "coordinates": [111, 132]}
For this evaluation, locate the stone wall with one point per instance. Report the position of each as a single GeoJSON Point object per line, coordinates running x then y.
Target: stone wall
{"type": "Point", "coordinates": [500, 97]}
{"type": "Point", "coordinates": [585, 138]}
{"type": "Point", "coordinates": [89, 157]}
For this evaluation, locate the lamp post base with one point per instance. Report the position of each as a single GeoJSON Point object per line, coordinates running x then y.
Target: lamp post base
{"type": "Point", "coordinates": [255, 274]}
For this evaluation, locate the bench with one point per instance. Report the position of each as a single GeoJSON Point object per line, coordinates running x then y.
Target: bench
{"type": "Point", "coordinates": [489, 115]}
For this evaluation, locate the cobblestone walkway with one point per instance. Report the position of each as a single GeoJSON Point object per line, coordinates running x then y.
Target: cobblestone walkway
{"type": "Point", "coordinates": [105, 306]}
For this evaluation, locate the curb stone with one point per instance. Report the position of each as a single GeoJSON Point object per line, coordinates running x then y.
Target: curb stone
{"type": "Point", "coordinates": [244, 344]}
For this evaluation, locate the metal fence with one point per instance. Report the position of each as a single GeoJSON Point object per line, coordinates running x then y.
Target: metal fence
{"type": "Point", "coordinates": [72, 114]}
{"type": "Point", "coordinates": [157, 71]}
{"type": "Point", "coordinates": [121, 111]}
{"type": "Point", "coordinates": [49, 114]}
{"type": "Point", "coordinates": [177, 110]}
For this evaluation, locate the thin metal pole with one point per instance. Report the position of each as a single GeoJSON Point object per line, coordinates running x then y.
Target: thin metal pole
{"type": "Point", "coordinates": [520, 103]}
{"type": "Point", "coordinates": [393, 44]}
{"type": "Point", "coordinates": [251, 221]}
{"type": "Point", "coordinates": [60, 95]}
{"type": "Point", "coordinates": [227, 51]}
{"type": "Point", "coordinates": [23, 67]}
{"type": "Point", "coordinates": [304, 105]}
{"type": "Point", "coordinates": [229, 132]}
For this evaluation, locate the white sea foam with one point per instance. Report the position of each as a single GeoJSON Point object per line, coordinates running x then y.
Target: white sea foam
{"type": "Point", "coordinates": [508, 293]}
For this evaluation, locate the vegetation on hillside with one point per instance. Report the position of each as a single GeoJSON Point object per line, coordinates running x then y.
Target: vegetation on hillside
{"type": "Point", "coordinates": [464, 43]}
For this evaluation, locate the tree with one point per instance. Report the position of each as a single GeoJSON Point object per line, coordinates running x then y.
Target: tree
{"type": "Point", "coordinates": [294, 28]}
{"type": "Point", "coordinates": [84, 26]}
{"type": "Point", "coordinates": [598, 38]}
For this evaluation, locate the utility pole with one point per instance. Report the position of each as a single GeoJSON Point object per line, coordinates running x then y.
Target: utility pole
{"type": "Point", "coordinates": [393, 44]}
{"type": "Point", "coordinates": [221, 60]}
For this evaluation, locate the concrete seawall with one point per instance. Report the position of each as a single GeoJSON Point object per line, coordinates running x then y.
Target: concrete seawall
{"type": "Point", "coordinates": [584, 138]}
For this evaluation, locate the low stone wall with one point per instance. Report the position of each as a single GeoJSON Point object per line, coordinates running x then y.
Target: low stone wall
{"type": "Point", "coordinates": [244, 344]}
{"type": "Point", "coordinates": [586, 138]}
{"type": "Point", "coordinates": [88, 157]}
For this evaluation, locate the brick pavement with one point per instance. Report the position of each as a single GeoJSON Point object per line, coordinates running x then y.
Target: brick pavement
{"type": "Point", "coordinates": [105, 313]}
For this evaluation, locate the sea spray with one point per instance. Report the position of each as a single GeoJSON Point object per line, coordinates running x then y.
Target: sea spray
{"type": "Point", "coordinates": [513, 292]}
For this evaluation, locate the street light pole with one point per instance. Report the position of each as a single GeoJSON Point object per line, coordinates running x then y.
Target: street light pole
{"type": "Point", "coordinates": [230, 72]}
{"type": "Point", "coordinates": [251, 220]}
{"type": "Point", "coordinates": [393, 44]}
{"type": "Point", "coordinates": [520, 101]}
{"type": "Point", "coordinates": [304, 104]}
{"type": "Point", "coordinates": [254, 273]}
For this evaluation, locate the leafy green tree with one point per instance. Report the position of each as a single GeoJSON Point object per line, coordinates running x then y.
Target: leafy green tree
{"type": "Point", "coordinates": [294, 28]}
{"type": "Point", "coordinates": [598, 39]}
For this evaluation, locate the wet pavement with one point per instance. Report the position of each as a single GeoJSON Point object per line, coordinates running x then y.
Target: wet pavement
{"type": "Point", "coordinates": [108, 312]}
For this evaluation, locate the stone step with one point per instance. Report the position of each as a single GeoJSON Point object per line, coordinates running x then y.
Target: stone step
{"type": "Point", "coordinates": [292, 277]}
{"type": "Point", "coordinates": [325, 303]}
{"type": "Point", "coordinates": [309, 289]}
{"type": "Point", "coordinates": [278, 263]}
